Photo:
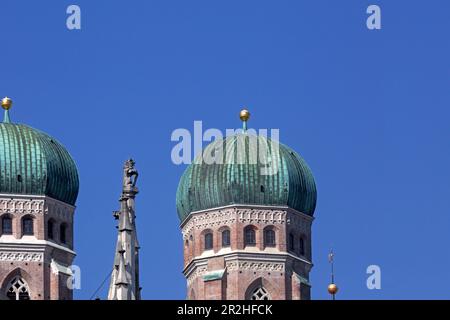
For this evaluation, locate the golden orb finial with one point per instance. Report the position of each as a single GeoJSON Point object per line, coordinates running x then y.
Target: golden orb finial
{"type": "Point", "coordinates": [6, 103]}
{"type": "Point", "coordinates": [332, 289]}
{"type": "Point", "coordinates": [244, 115]}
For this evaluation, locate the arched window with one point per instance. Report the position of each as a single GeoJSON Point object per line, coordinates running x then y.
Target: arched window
{"type": "Point", "coordinates": [18, 289]}
{"type": "Point", "coordinates": [50, 229]}
{"type": "Point", "coordinates": [302, 246]}
{"type": "Point", "coordinates": [208, 241]}
{"type": "Point", "coordinates": [269, 237]}
{"type": "Point", "coordinates": [63, 233]}
{"type": "Point", "coordinates": [27, 226]}
{"type": "Point", "coordinates": [260, 294]}
{"type": "Point", "coordinates": [291, 242]}
{"type": "Point", "coordinates": [226, 238]}
{"type": "Point", "coordinates": [6, 225]}
{"type": "Point", "coordinates": [249, 236]}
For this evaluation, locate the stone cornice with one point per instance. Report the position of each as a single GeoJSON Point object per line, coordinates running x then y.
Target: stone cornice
{"type": "Point", "coordinates": [242, 255]}
{"type": "Point", "coordinates": [243, 261]}
{"type": "Point", "coordinates": [19, 245]}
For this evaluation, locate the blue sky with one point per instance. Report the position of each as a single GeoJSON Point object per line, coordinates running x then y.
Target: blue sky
{"type": "Point", "coordinates": [368, 110]}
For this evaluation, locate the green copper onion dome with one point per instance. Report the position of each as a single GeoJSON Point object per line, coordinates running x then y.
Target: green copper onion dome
{"type": "Point", "coordinates": [281, 178]}
{"type": "Point", "coordinates": [34, 163]}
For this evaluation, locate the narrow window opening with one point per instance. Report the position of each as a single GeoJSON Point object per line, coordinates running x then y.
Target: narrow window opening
{"type": "Point", "coordinates": [302, 246]}
{"type": "Point", "coordinates": [62, 233]}
{"type": "Point", "coordinates": [50, 227]}
{"type": "Point", "coordinates": [291, 242]}
{"type": "Point", "coordinates": [208, 241]}
{"type": "Point", "coordinates": [226, 238]}
{"type": "Point", "coordinates": [269, 238]}
{"type": "Point", "coordinates": [249, 236]}
{"type": "Point", "coordinates": [27, 226]}
{"type": "Point", "coordinates": [6, 225]}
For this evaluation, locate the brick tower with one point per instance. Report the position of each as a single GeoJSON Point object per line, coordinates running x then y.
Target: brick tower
{"type": "Point", "coordinates": [38, 190]}
{"type": "Point", "coordinates": [246, 207]}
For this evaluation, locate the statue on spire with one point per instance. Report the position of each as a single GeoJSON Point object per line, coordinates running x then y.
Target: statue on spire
{"type": "Point", "coordinates": [130, 176]}
{"type": "Point", "coordinates": [124, 283]}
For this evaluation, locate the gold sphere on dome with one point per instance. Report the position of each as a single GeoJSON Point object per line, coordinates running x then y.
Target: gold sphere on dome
{"type": "Point", "coordinates": [6, 103]}
{"type": "Point", "coordinates": [332, 289]}
{"type": "Point", "coordinates": [244, 115]}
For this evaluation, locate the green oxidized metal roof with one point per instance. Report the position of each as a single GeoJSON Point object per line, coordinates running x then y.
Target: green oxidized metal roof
{"type": "Point", "coordinates": [33, 163]}
{"type": "Point", "coordinates": [213, 275]}
{"type": "Point", "coordinates": [241, 179]}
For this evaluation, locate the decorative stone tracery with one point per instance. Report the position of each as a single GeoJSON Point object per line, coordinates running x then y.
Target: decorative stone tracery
{"type": "Point", "coordinates": [30, 206]}
{"type": "Point", "coordinates": [18, 289]}
{"type": "Point", "coordinates": [229, 216]}
{"type": "Point", "coordinates": [21, 256]}
{"type": "Point", "coordinates": [198, 272]}
{"type": "Point", "coordinates": [255, 266]}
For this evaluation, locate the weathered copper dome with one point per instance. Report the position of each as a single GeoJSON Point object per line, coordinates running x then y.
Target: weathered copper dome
{"type": "Point", "coordinates": [241, 180]}
{"type": "Point", "coordinates": [34, 163]}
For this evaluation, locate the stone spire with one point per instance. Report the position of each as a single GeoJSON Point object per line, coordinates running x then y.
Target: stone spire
{"type": "Point", "coordinates": [125, 275]}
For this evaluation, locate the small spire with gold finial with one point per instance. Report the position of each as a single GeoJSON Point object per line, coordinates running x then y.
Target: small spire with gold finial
{"type": "Point", "coordinates": [244, 115]}
{"type": "Point", "coordinates": [6, 105]}
{"type": "Point", "coordinates": [332, 287]}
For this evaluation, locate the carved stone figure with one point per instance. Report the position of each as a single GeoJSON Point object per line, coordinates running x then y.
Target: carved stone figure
{"type": "Point", "coordinates": [130, 176]}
